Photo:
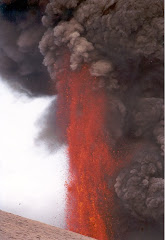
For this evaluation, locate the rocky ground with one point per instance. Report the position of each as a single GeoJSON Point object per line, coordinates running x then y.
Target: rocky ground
{"type": "Point", "coordinates": [19, 228]}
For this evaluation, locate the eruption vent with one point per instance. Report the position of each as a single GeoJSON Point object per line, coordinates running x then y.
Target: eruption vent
{"type": "Point", "coordinates": [89, 196]}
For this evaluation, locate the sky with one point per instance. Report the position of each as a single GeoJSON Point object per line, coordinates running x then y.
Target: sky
{"type": "Point", "coordinates": [32, 180]}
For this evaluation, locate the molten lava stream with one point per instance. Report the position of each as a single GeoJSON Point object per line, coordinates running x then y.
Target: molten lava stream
{"type": "Point", "coordinates": [89, 200]}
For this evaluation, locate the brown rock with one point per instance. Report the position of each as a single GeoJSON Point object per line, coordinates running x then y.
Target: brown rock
{"type": "Point", "coordinates": [19, 228]}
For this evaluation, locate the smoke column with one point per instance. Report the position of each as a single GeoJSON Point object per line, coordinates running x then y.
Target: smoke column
{"type": "Point", "coordinates": [90, 163]}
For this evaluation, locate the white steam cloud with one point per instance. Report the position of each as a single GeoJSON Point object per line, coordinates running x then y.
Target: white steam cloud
{"type": "Point", "coordinates": [31, 180]}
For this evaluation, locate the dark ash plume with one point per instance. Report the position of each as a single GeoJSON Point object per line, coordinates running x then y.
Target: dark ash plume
{"type": "Point", "coordinates": [123, 43]}
{"type": "Point", "coordinates": [51, 135]}
{"type": "Point", "coordinates": [140, 187]}
{"type": "Point", "coordinates": [20, 33]}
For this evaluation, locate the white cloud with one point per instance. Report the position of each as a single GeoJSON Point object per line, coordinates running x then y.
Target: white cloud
{"type": "Point", "coordinates": [31, 180]}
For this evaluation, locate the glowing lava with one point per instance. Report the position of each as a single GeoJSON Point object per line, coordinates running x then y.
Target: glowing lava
{"type": "Point", "coordinates": [89, 199]}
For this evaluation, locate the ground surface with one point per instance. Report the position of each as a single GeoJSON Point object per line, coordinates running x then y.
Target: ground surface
{"type": "Point", "coordinates": [19, 228]}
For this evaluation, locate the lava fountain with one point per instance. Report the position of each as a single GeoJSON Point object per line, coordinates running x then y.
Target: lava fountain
{"type": "Point", "coordinates": [89, 198]}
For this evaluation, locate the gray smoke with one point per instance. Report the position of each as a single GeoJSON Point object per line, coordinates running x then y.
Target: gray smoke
{"type": "Point", "coordinates": [123, 43]}
{"type": "Point", "coordinates": [140, 186]}
{"type": "Point", "coordinates": [20, 58]}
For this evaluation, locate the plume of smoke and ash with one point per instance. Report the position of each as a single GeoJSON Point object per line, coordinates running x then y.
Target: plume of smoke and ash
{"type": "Point", "coordinates": [20, 58]}
{"type": "Point", "coordinates": [122, 41]}
{"type": "Point", "coordinates": [140, 186]}
{"type": "Point", "coordinates": [51, 134]}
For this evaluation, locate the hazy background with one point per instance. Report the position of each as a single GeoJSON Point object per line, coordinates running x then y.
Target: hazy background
{"type": "Point", "coordinates": [31, 179]}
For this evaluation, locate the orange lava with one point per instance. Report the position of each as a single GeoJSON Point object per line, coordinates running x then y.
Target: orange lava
{"type": "Point", "coordinates": [89, 199]}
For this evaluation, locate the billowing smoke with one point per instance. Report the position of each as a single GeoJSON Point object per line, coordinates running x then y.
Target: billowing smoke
{"type": "Point", "coordinates": [122, 41]}
{"type": "Point", "coordinates": [20, 58]}
{"type": "Point", "coordinates": [141, 185]}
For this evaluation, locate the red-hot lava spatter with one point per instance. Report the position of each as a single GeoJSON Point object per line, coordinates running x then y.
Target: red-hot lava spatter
{"type": "Point", "coordinates": [89, 199]}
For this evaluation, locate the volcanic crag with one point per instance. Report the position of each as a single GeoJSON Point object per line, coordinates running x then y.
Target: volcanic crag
{"type": "Point", "coordinates": [19, 228]}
